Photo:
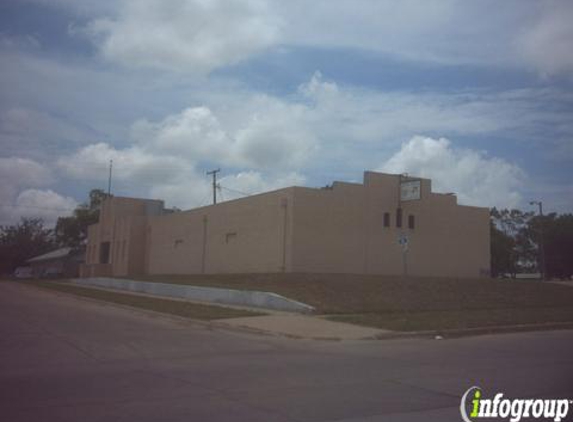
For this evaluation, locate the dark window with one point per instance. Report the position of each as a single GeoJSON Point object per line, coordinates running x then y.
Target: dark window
{"type": "Point", "coordinates": [411, 222]}
{"type": "Point", "coordinates": [399, 217]}
{"type": "Point", "coordinates": [104, 253]}
{"type": "Point", "coordinates": [386, 219]}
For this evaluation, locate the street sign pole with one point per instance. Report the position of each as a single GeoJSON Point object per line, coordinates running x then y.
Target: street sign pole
{"type": "Point", "coordinates": [403, 241]}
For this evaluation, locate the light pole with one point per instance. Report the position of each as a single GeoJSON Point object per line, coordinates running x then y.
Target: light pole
{"type": "Point", "coordinates": [541, 245]}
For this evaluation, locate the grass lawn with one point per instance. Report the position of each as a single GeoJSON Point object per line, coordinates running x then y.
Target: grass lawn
{"type": "Point", "coordinates": [408, 304]}
{"type": "Point", "coordinates": [378, 301]}
{"type": "Point", "coordinates": [173, 307]}
{"type": "Point", "coordinates": [458, 319]}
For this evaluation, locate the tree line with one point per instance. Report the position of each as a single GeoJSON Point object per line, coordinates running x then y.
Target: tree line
{"type": "Point", "coordinates": [525, 242]}
{"type": "Point", "coordinates": [29, 237]}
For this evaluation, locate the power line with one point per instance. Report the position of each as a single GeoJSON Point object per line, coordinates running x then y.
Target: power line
{"type": "Point", "coordinates": [203, 201]}
{"type": "Point", "coordinates": [235, 191]}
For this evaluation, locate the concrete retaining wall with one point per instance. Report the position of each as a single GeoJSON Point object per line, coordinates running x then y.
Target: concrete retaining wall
{"type": "Point", "coordinates": [248, 298]}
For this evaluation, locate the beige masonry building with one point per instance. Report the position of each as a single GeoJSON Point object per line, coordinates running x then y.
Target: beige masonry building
{"type": "Point", "coordinates": [389, 224]}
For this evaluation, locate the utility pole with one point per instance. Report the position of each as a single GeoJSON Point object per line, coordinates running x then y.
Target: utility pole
{"type": "Point", "coordinates": [109, 179]}
{"type": "Point", "coordinates": [541, 243]}
{"type": "Point", "coordinates": [214, 174]}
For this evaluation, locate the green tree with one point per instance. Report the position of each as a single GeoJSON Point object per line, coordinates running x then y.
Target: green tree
{"type": "Point", "coordinates": [512, 248]}
{"type": "Point", "coordinates": [521, 241]}
{"type": "Point", "coordinates": [557, 236]}
{"type": "Point", "coordinates": [23, 241]}
{"type": "Point", "coordinates": [96, 196]}
{"type": "Point", "coordinates": [503, 258]}
{"type": "Point", "coordinates": [511, 222]}
{"type": "Point", "coordinates": [73, 231]}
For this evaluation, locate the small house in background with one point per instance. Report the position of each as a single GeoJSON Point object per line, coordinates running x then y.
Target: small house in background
{"type": "Point", "coordinates": [63, 262]}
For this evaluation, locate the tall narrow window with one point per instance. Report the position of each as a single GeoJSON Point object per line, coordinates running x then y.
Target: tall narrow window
{"type": "Point", "coordinates": [386, 219]}
{"type": "Point", "coordinates": [411, 222]}
{"type": "Point", "coordinates": [399, 217]}
{"type": "Point", "coordinates": [104, 252]}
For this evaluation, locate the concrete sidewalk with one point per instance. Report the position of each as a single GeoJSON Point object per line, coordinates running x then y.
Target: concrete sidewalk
{"type": "Point", "coordinates": [302, 326]}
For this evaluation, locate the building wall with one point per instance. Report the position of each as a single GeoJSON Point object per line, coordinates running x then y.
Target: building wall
{"type": "Point", "coordinates": [245, 235]}
{"type": "Point", "coordinates": [335, 230]}
{"type": "Point", "coordinates": [122, 225]}
{"type": "Point", "coordinates": [128, 245]}
{"type": "Point", "coordinates": [341, 230]}
{"type": "Point", "coordinates": [328, 229]}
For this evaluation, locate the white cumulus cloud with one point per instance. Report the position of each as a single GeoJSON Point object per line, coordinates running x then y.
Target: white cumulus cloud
{"type": "Point", "coordinates": [20, 196]}
{"type": "Point", "coordinates": [129, 164]}
{"type": "Point", "coordinates": [164, 159]}
{"type": "Point", "coordinates": [340, 129]}
{"type": "Point", "coordinates": [45, 204]}
{"type": "Point", "coordinates": [197, 36]}
{"type": "Point", "coordinates": [18, 172]}
{"type": "Point", "coordinates": [195, 133]}
{"type": "Point", "coordinates": [194, 36]}
{"type": "Point", "coordinates": [476, 178]}
{"type": "Point", "coordinates": [271, 134]}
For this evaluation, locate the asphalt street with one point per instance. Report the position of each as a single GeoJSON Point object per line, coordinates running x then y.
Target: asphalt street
{"type": "Point", "coordinates": [69, 359]}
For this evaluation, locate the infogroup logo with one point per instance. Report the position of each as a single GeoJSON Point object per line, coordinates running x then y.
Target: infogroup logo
{"type": "Point", "coordinates": [512, 409]}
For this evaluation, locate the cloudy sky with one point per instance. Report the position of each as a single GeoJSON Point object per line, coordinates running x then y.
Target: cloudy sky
{"type": "Point", "coordinates": [476, 95]}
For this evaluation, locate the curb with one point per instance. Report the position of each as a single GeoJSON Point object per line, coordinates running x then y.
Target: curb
{"type": "Point", "coordinates": [478, 331]}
